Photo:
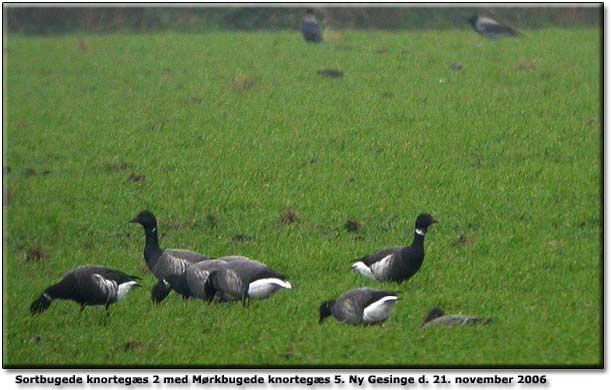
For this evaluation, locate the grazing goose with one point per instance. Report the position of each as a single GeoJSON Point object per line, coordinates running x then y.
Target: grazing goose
{"type": "Point", "coordinates": [437, 317]}
{"type": "Point", "coordinates": [490, 28]}
{"type": "Point", "coordinates": [231, 277]}
{"type": "Point", "coordinates": [361, 306]}
{"type": "Point", "coordinates": [204, 279]}
{"type": "Point", "coordinates": [310, 27]}
{"type": "Point", "coordinates": [397, 264]}
{"type": "Point", "coordinates": [162, 263]}
{"type": "Point", "coordinates": [262, 281]}
{"type": "Point", "coordinates": [88, 285]}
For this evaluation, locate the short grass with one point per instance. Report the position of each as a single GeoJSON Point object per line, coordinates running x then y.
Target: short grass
{"type": "Point", "coordinates": [220, 134]}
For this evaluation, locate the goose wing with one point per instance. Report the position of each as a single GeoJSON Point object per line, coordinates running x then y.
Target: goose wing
{"type": "Point", "coordinates": [95, 289]}
{"type": "Point", "coordinates": [175, 262]}
{"type": "Point", "coordinates": [378, 256]}
{"type": "Point", "coordinates": [113, 274]}
{"type": "Point", "coordinates": [250, 270]}
{"type": "Point", "coordinates": [189, 256]}
{"type": "Point", "coordinates": [197, 277]}
{"type": "Point", "coordinates": [378, 265]}
{"type": "Point", "coordinates": [349, 307]}
{"type": "Point", "coordinates": [197, 280]}
{"type": "Point", "coordinates": [229, 282]}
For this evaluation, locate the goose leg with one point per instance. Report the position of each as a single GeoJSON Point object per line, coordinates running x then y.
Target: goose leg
{"type": "Point", "coordinates": [245, 300]}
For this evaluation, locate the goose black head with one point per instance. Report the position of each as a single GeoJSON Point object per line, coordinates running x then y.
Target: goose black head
{"type": "Point", "coordinates": [160, 291]}
{"type": "Point", "coordinates": [325, 310]}
{"type": "Point", "coordinates": [424, 221]}
{"type": "Point", "coordinates": [473, 19]}
{"type": "Point", "coordinates": [146, 219]}
{"type": "Point", "coordinates": [40, 305]}
{"type": "Point", "coordinates": [435, 313]}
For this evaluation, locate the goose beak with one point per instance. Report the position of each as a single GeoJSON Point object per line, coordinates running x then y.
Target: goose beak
{"type": "Point", "coordinates": [133, 220]}
{"type": "Point", "coordinates": [136, 285]}
{"type": "Point", "coordinates": [434, 221]}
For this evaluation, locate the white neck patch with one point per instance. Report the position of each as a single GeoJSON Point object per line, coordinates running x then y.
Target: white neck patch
{"type": "Point", "coordinates": [154, 230]}
{"type": "Point", "coordinates": [47, 296]}
{"type": "Point", "coordinates": [420, 232]}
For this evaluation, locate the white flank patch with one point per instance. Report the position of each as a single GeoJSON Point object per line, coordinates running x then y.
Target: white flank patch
{"type": "Point", "coordinates": [362, 269]}
{"type": "Point", "coordinates": [379, 310]}
{"type": "Point", "coordinates": [483, 21]}
{"type": "Point", "coordinates": [263, 288]}
{"type": "Point", "coordinates": [47, 296]}
{"type": "Point", "coordinates": [124, 288]}
{"type": "Point", "coordinates": [420, 232]}
{"type": "Point", "coordinates": [381, 268]}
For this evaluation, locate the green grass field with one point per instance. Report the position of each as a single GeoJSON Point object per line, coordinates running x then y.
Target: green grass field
{"type": "Point", "coordinates": [231, 130]}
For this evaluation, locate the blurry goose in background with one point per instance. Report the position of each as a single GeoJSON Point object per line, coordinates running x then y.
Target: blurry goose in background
{"type": "Point", "coordinates": [87, 285]}
{"type": "Point", "coordinates": [437, 317]}
{"type": "Point", "coordinates": [360, 306]}
{"type": "Point", "coordinates": [163, 263]}
{"type": "Point", "coordinates": [310, 27]}
{"type": "Point", "coordinates": [400, 263]}
{"type": "Point", "coordinates": [490, 28]}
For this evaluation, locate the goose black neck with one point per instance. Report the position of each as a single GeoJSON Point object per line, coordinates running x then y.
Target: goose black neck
{"type": "Point", "coordinates": [57, 291]}
{"type": "Point", "coordinates": [179, 284]}
{"type": "Point", "coordinates": [418, 239]}
{"type": "Point", "coordinates": [152, 251]}
{"type": "Point", "coordinates": [325, 310]}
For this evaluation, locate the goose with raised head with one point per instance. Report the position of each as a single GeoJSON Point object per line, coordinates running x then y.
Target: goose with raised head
{"type": "Point", "coordinates": [400, 263]}
{"type": "Point", "coordinates": [163, 262]}
{"type": "Point", "coordinates": [310, 28]}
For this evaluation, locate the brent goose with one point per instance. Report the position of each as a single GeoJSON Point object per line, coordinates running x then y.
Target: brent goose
{"type": "Point", "coordinates": [310, 27]}
{"type": "Point", "coordinates": [87, 285]}
{"type": "Point", "coordinates": [228, 278]}
{"type": "Point", "coordinates": [400, 263]}
{"type": "Point", "coordinates": [437, 317]}
{"type": "Point", "coordinates": [490, 28]}
{"type": "Point", "coordinates": [205, 279]}
{"type": "Point", "coordinates": [262, 281]}
{"type": "Point", "coordinates": [163, 263]}
{"type": "Point", "coordinates": [360, 306]}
